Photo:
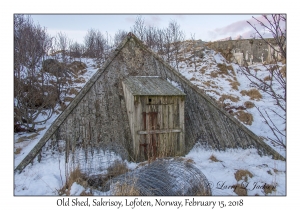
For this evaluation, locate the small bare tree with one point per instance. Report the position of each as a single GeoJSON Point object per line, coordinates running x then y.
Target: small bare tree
{"type": "Point", "coordinates": [32, 92]}
{"type": "Point", "coordinates": [119, 36]}
{"type": "Point", "coordinates": [275, 84]}
{"type": "Point", "coordinates": [194, 61]}
{"type": "Point", "coordinates": [139, 28]}
{"type": "Point", "coordinates": [95, 44]}
{"type": "Point", "coordinates": [177, 40]}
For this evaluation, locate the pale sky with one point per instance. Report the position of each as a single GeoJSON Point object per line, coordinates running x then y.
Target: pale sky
{"type": "Point", "coordinates": [206, 27]}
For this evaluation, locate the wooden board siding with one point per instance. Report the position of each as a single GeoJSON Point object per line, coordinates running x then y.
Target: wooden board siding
{"type": "Point", "coordinates": [154, 119]}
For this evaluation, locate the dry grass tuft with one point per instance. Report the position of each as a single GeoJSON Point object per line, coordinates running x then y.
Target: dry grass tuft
{"type": "Point", "coordinates": [244, 117]}
{"type": "Point", "coordinates": [283, 71]}
{"type": "Point", "coordinates": [209, 83]}
{"type": "Point", "coordinates": [33, 136]}
{"type": "Point", "coordinates": [203, 69]}
{"type": "Point", "coordinates": [189, 160]}
{"type": "Point", "coordinates": [68, 99]}
{"type": "Point", "coordinates": [40, 129]}
{"type": "Point", "coordinates": [230, 68]}
{"type": "Point", "coordinates": [249, 104]}
{"type": "Point", "coordinates": [78, 67]}
{"type": "Point", "coordinates": [240, 190]}
{"type": "Point", "coordinates": [235, 85]}
{"type": "Point", "coordinates": [267, 78]}
{"type": "Point", "coordinates": [18, 151]}
{"type": "Point", "coordinates": [116, 169]}
{"type": "Point", "coordinates": [254, 94]}
{"type": "Point", "coordinates": [80, 80]}
{"type": "Point", "coordinates": [73, 91]}
{"type": "Point", "coordinates": [75, 176]}
{"type": "Point", "coordinates": [242, 175]}
{"type": "Point", "coordinates": [84, 193]}
{"type": "Point", "coordinates": [193, 79]}
{"type": "Point", "coordinates": [213, 91]}
{"type": "Point", "coordinates": [21, 139]}
{"type": "Point", "coordinates": [214, 159]}
{"type": "Point", "coordinates": [214, 74]}
{"type": "Point", "coordinates": [230, 97]}
{"type": "Point", "coordinates": [268, 189]}
{"type": "Point", "coordinates": [223, 68]}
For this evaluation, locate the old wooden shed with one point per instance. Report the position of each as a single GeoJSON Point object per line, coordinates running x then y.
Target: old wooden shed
{"type": "Point", "coordinates": [155, 111]}
{"type": "Point", "coordinates": [97, 118]}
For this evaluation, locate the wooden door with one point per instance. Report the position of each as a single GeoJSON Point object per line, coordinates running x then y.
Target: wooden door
{"type": "Point", "coordinates": [149, 141]}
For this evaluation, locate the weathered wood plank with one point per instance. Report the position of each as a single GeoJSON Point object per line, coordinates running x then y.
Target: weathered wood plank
{"type": "Point", "coordinates": [159, 131]}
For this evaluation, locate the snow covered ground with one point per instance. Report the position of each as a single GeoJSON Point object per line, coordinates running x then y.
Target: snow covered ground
{"type": "Point", "coordinates": [49, 176]}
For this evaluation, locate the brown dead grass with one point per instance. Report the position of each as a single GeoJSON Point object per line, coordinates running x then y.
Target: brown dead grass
{"type": "Point", "coordinates": [274, 68]}
{"type": "Point", "coordinates": [214, 159]}
{"type": "Point", "coordinates": [68, 99]}
{"type": "Point", "coordinates": [18, 151]}
{"type": "Point", "coordinates": [189, 160]}
{"type": "Point", "coordinates": [254, 94]}
{"type": "Point", "coordinates": [223, 68]}
{"type": "Point", "coordinates": [244, 117]}
{"type": "Point", "coordinates": [63, 106]}
{"type": "Point", "coordinates": [21, 139]}
{"type": "Point", "coordinates": [235, 85]}
{"type": "Point", "coordinates": [117, 168]}
{"type": "Point", "coordinates": [268, 189]}
{"type": "Point", "coordinates": [240, 190]}
{"type": "Point", "coordinates": [209, 83]}
{"type": "Point", "coordinates": [193, 79]}
{"type": "Point", "coordinates": [78, 67]}
{"type": "Point", "coordinates": [249, 104]}
{"type": "Point", "coordinates": [203, 69]}
{"type": "Point", "coordinates": [84, 193]}
{"type": "Point", "coordinates": [283, 71]}
{"type": "Point", "coordinates": [242, 175]}
{"type": "Point", "coordinates": [79, 80]}
{"type": "Point", "coordinates": [33, 136]}
{"type": "Point", "coordinates": [214, 74]}
{"type": "Point", "coordinates": [267, 78]}
{"type": "Point", "coordinates": [40, 129]}
{"type": "Point", "coordinates": [73, 91]}
{"type": "Point", "coordinates": [217, 93]}
{"type": "Point", "coordinates": [230, 97]}
{"type": "Point", "coordinates": [75, 176]}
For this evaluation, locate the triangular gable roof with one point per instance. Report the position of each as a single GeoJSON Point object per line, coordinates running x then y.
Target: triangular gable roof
{"type": "Point", "coordinates": [60, 119]}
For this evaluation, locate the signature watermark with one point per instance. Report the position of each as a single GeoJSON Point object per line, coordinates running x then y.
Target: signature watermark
{"type": "Point", "coordinates": [223, 185]}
